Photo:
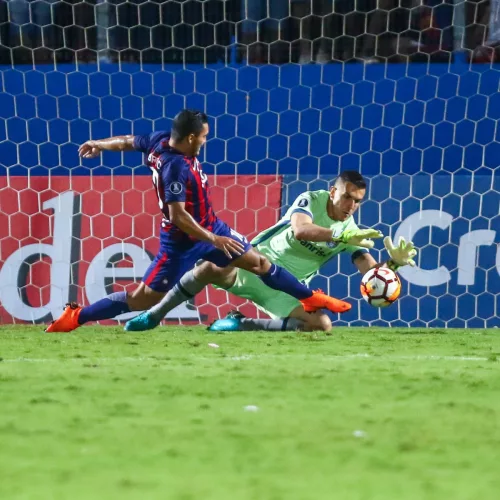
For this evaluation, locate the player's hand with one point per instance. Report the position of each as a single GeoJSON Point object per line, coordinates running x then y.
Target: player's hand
{"type": "Point", "coordinates": [359, 237]}
{"type": "Point", "coordinates": [229, 246]}
{"type": "Point", "coordinates": [89, 150]}
{"type": "Point", "coordinates": [403, 253]}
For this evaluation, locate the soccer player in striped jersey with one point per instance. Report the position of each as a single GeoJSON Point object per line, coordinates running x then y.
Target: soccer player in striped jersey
{"type": "Point", "coordinates": [190, 230]}
{"type": "Point", "coordinates": [317, 227]}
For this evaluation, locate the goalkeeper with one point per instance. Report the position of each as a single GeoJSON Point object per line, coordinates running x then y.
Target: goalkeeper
{"type": "Point", "coordinates": [318, 226]}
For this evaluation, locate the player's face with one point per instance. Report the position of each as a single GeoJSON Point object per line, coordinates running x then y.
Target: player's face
{"type": "Point", "coordinates": [345, 199]}
{"type": "Point", "coordinates": [197, 142]}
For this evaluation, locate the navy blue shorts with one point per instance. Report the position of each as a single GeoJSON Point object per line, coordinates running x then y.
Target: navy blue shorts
{"type": "Point", "coordinates": [171, 263]}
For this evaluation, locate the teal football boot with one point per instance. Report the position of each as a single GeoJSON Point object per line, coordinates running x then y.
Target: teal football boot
{"type": "Point", "coordinates": [231, 323]}
{"type": "Point", "coordinates": [141, 323]}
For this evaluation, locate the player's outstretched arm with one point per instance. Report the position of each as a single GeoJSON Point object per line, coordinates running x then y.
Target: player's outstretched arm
{"type": "Point", "coordinates": [185, 222]}
{"type": "Point", "coordinates": [305, 229]}
{"type": "Point", "coordinates": [93, 148]}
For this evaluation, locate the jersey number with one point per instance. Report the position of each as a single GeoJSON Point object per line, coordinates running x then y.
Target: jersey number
{"type": "Point", "coordinates": [156, 183]}
{"type": "Point", "coordinates": [238, 236]}
{"type": "Point", "coordinates": [203, 175]}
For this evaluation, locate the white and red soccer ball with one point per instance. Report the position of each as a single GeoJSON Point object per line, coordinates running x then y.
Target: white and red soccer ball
{"type": "Point", "coordinates": [380, 287]}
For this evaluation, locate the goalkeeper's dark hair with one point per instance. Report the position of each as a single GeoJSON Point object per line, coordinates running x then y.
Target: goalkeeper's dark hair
{"type": "Point", "coordinates": [187, 122]}
{"type": "Point", "coordinates": [353, 177]}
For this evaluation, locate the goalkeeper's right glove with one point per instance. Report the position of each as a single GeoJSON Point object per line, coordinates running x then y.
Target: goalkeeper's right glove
{"type": "Point", "coordinates": [400, 255]}
{"type": "Point", "coordinates": [358, 237]}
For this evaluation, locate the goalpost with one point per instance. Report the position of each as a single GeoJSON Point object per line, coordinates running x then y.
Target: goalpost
{"type": "Point", "coordinates": [294, 96]}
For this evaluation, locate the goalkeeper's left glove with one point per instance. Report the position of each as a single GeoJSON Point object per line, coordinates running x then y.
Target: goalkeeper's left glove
{"type": "Point", "coordinates": [400, 255]}
{"type": "Point", "coordinates": [359, 237]}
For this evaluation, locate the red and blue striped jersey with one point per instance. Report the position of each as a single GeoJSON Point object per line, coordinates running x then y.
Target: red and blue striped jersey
{"type": "Point", "coordinates": [177, 177]}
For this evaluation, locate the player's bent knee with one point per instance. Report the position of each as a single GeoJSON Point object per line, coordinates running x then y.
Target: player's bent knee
{"type": "Point", "coordinates": [261, 265]}
{"type": "Point", "coordinates": [206, 272]}
{"type": "Point", "coordinates": [325, 323]}
{"type": "Point", "coordinates": [319, 322]}
{"type": "Point", "coordinates": [254, 262]}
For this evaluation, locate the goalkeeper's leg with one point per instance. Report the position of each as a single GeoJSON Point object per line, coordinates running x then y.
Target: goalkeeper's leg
{"type": "Point", "coordinates": [286, 312]}
{"type": "Point", "coordinates": [297, 321]}
{"type": "Point", "coordinates": [312, 321]}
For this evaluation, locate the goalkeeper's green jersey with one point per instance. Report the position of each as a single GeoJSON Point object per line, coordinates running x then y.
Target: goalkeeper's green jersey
{"type": "Point", "coordinates": [304, 258]}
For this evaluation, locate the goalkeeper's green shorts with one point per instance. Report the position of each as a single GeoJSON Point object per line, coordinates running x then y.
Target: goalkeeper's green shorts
{"type": "Point", "coordinates": [274, 303]}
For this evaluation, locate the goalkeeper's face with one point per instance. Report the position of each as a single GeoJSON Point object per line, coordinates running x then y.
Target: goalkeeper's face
{"type": "Point", "coordinates": [345, 199]}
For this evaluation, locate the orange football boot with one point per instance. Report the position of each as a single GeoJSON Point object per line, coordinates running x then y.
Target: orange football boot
{"type": "Point", "coordinates": [319, 300]}
{"type": "Point", "coordinates": [68, 321]}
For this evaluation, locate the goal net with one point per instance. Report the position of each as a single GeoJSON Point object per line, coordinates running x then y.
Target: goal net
{"type": "Point", "coordinates": [406, 92]}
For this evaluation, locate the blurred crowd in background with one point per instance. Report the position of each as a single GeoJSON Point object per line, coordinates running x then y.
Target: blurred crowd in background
{"type": "Point", "coordinates": [257, 31]}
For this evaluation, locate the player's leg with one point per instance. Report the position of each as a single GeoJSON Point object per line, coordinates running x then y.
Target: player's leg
{"type": "Point", "coordinates": [286, 312]}
{"type": "Point", "coordinates": [280, 279]}
{"type": "Point", "coordinates": [210, 274]}
{"type": "Point", "coordinates": [312, 321]}
{"type": "Point", "coordinates": [298, 320]}
{"type": "Point", "coordinates": [153, 287]}
{"type": "Point", "coordinates": [160, 276]}
{"type": "Point", "coordinates": [109, 307]}
{"type": "Point", "coordinates": [236, 322]}
{"type": "Point", "coordinates": [275, 304]}
{"type": "Point", "coordinates": [272, 275]}
{"type": "Point", "coordinates": [192, 283]}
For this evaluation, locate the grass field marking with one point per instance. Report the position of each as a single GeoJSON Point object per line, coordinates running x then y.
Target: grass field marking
{"type": "Point", "coordinates": [63, 360]}
{"type": "Point", "coordinates": [249, 357]}
{"type": "Point", "coordinates": [415, 357]}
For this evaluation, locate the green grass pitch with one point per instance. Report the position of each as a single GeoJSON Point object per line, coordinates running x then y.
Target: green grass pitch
{"type": "Point", "coordinates": [361, 414]}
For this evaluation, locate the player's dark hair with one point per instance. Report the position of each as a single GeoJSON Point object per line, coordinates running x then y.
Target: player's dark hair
{"type": "Point", "coordinates": [353, 177]}
{"type": "Point", "coordinates": [186, 122]}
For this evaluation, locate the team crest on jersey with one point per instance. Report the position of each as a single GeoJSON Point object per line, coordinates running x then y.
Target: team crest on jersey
{"type": "Point", "coordinates": [303, 202]}
{"type": "Point", "coordinates": [175, 188]}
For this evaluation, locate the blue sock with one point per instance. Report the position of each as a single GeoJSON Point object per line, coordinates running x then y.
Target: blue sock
{"type": "Point", "coordinates": [107, 308]}
{"type": "Point", "coordinates": [280, 279]}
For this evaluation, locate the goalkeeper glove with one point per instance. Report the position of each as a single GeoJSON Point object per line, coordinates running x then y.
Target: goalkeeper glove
{"type": "Point", "coordinates": [358, 237]}
{"type": "Point", "coordinates": [401, 255]}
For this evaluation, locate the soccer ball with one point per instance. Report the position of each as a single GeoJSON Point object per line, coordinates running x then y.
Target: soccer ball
{"type": "Point", "coordinates": [380, 287]}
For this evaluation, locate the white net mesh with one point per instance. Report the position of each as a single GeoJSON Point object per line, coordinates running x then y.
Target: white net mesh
{"type": "Point", "coordinates": [405, 92]}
